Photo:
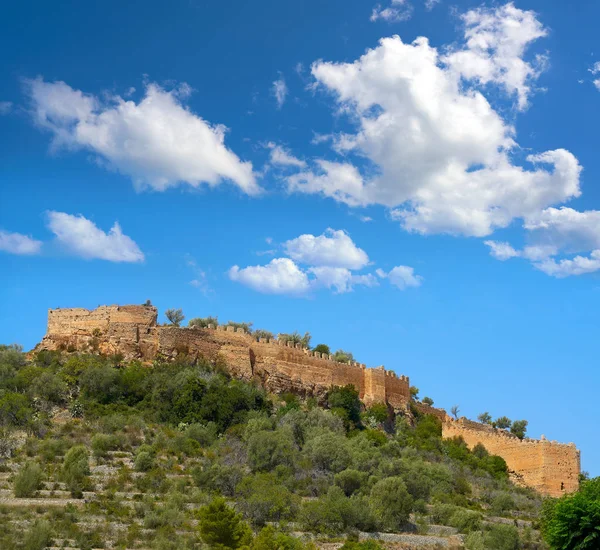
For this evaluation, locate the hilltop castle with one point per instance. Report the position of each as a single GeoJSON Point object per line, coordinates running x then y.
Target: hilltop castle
{"type": "Point", "coordinates": [547, 466]}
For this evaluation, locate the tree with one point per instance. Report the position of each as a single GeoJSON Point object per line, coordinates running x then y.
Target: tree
{"type": "Point", "coordinates": [174, 316]}
{"type": "Point", "coordinates": [296, 338]}
{"type": "Point", "coordinates": [220, 526]}
{"type": "Point", "coordinates": [322, 348]}
{"type": "Point", "coordinates": [342, 356]}
{"type": "Point", "coordinates": [262, 333]}
{"type": "Point", "coordinates": [428, 401]}
{"type": "Point", "coordinates": [414, 392]}
{"type": "Point", "coordinates": [28, 480]}
{"type": "Point", "coordinates": [147, 303]}
{"type": "Point", "coordinates": [503, 423]}
{"type": "Point", "coordinates": [391, 503]}
{"type": "Point", "coordinates": [572, 522]}
{"type": "Point", "coordinates": [454, 410]}
{"type": "Point", "coordinates": [485, 418]}
{"type": "Point", "coordinates": [346, 398]}
{"type": "Point", "coordinates": [14, 409]}
{"type": "Point", "coordinates": [203, 322]}
{"type": "Point", "coordinates": [247, 327]}
{"type": "Point", "coordinates": [519, 428]}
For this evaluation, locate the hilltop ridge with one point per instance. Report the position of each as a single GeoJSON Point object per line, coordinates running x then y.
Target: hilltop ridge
{"type": "Point", "coordinates": [279, 366]}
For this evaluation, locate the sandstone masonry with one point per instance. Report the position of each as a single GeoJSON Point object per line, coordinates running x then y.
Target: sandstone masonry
{"type": "Point", "coordinates": [281, 366]}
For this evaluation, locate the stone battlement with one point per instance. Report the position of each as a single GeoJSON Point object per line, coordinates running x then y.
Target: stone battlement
{"type": "Point", "coordinates": [277, 364]}
{"type": "Point", "coordinates": [283, 366]}
{"type": "Point", "coordinates": [550, 467]}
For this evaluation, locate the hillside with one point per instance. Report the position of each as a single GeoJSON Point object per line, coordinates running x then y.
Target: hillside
{"type": "Point", "coordinates": [101, 453]}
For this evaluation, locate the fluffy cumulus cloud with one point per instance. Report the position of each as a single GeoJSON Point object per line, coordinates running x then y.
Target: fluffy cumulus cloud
{"type": "Point", "coordinates": [431, 146]}
{"type": "Point", "coordinates": [496, 41]}
{"type": "Point", "coordinates": [401, 276]}
{"type": "Point", "coordinates": [328, 261]}
{"type": "Point", "coordinates": [562, 242]}
{"type": "Point", "coordinates": [279, 276]}
{"type": "Point", "coordinates": [158, 142]}
{"type": "Point", "coordinates": [83, 238]}
{"type": "Point", "coordinates": [16, 243]}
{"type": "Point", "coordinates": [280, 91]}
{"type": "Point", "coordinates": [331, 249]}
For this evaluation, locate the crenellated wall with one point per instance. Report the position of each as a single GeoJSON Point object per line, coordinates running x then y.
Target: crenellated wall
{"type": "Point", "coordinates": [548, 466]}
{"type": "Point", "coordinates": [279, 366]}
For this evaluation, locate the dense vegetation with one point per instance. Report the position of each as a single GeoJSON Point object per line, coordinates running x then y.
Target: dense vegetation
{"type": "Point", "coordinates": [179, 455]}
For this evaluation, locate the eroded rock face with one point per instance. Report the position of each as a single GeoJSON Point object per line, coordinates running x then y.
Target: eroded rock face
{"type": "Point", "coordinates": [280, 367]}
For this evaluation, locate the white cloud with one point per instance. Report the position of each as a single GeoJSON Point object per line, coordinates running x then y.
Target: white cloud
{"type": "Point", "coordinates": [329, 261]}
{"type": "Point", "coordinates": [282, 157]}
{"type": "Point", "coordinates": [280, 91]}
{"type": "Point", "coordinates": [279, 276]}
{"type": "Point", "coordinates": [496, 41]}
{"type": "Point", "coordinates": [502, 250]}
{"type": "Point", "coordinates": [595, 70]}
{"type": "Point", "coordinates": [331, 249]}
{"type": "Point", "coordinates": [83, 238]}
{"type": "Point", "coordinates": [5, 107]}
{"type": "Point", "coordinates": [340, 181]}
{"type": "Point", "coordinates": [398, 10]}
{"type": "Point", "coordinates": [555, 234]}
{"type": "Point", "coordinates": [158, 142]}
{"type": "Point", "coordinates": [340, 279]}
{"type": "Point", "coordinates": [16, 243]}
{"type": "Point", "coordinates": [429, 144]}
{"type": "Point", "coordinates": [430, 4]}
{"type": "Point", "coordinates": [401, 276]}
{"type": "Point", "coordinates": [579, 265]}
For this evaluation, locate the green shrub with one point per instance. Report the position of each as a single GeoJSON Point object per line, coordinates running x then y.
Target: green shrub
{"type": "Point", "coordinates": [271, 539]}
{"type": "Point", "coordinates": [28, 480]}
{"type": "Point", "coordinates": [102, 443]}
{"type": "Point", "coordinates": [391, 503]}
{"type": "Point", "coordinates": [144, 461]}
{"type": "Point", "coordinates": [219, 525]}
{"type": "Point", "coordinates": [264, 498]}
{"type": "Point", "coordinates": [350, 481]}
{"type": "Point", "coordinates": [38, 537]}
{"type": "Point", "coordinates": [466, 521]}
{"type": "Point", "coordinates": [76, 469]}
{"type": "Point", "coordinates": [571, 522]}
{"type": "Point", "coordinates": [267, 449]}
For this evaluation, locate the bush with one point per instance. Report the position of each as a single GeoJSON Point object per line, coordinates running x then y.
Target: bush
{"type": "Point", "coordinates": [76, 469]}
{"type": "Point", "coordinates": [38, 537]}
{"type": "Point", "coordinates": [350, 481]}
{"type": "Point", "coordinates": [328, 451]}
{"type": "Point", "coordinates": [28, 480]}
{"type": "Point", "coordinates": [506, 537]}
{"type": "Point", "coordinates": [572, 521]}
{"type": "Point", "coordinates": [267, 449]}
{"type": "Point", "coordinates": [144, 461]}
{"type": "Point", "coordinates": [264, 498]}
{"type": "Point", "coordinates": [391, 503]}
{"type": "Point", "coordinates": [271, 539]}
{"type": "Point", "coordinates": [219, 525]}
{"type": "Point", "coordinates": [466, 521]}
{"type": "Point", "coordinates": [346, 398]}
{"type": "Point", "coordinates": [102, 443]}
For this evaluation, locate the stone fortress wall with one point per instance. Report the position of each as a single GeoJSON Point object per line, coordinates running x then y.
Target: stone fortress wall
{"type": "Point", "coordinates": [549, 467]}
{"type": "Point", "coordinates": [278, 365]}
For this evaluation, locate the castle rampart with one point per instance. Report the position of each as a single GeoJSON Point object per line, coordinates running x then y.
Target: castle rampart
{"type": "Point", "coordinates": [282, 366]}
{"type": "Point", "coordinates": [549, 467]}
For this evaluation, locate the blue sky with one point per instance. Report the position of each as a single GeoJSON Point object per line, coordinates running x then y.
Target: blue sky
{"type": "Point", "coordinates": [429, 200]}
